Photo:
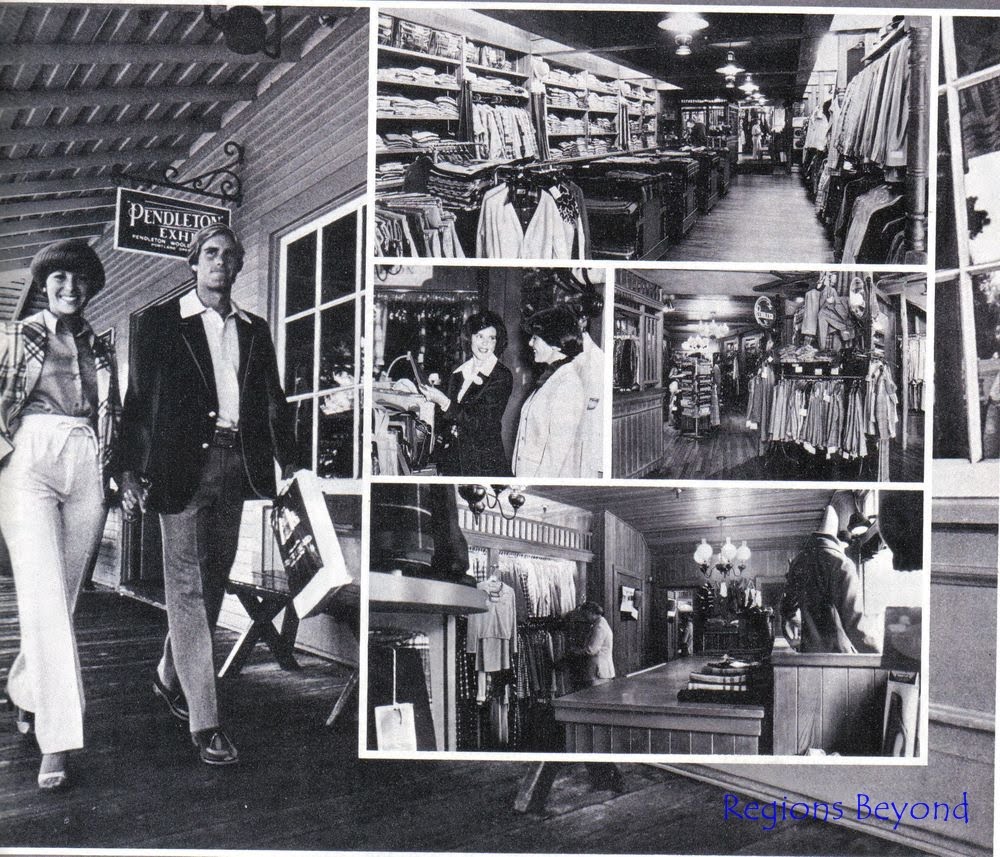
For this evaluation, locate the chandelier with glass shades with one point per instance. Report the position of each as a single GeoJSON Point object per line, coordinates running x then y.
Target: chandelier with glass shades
{"type": "Point", "coordinates": [730, 560]}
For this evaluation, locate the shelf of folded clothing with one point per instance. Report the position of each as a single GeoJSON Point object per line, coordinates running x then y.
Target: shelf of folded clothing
{"type": "Point", "coordinates": [386, 50]}
{"type": "Point", "coordinates": [399, 594]}
{"type": "Point", "coordinates": [413, 84]}
{"type": "Point", "coordinates": [485, 69]}
{"type": "Point", "coordinates": [568, 107]}
{"type": "Point", "coordinates": [409, 151]}
{"type": "Point", "coordinates": [415, 117]}
{"type": "Point", "coordinates": [603, 111]}
{"type": "Point", "coordinates": [506, 93]}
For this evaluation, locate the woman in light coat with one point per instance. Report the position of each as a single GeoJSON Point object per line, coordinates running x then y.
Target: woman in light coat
{"type": "Point", "coordinates": [550, 417]}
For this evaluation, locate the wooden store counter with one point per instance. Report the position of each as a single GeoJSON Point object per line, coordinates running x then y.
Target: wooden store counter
{"type": "Point", "coordinates": [641, 714]}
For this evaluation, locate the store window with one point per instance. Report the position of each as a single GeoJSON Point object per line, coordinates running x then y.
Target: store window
{"type": "Point", "coordinates": [967, 302]}
{"type": "Point", "coordinates": [320, 338]}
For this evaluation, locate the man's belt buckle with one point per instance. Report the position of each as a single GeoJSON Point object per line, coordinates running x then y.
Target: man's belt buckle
{"type": "Point", "coordinates": [224, 438]}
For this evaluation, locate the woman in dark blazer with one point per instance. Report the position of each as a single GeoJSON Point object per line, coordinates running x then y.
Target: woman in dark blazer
{"type": "Point", "coordinates": [474, 402]}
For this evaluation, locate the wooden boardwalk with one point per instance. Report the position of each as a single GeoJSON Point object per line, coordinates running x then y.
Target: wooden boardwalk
{"type": "Point", "coordinates": [301, 786]}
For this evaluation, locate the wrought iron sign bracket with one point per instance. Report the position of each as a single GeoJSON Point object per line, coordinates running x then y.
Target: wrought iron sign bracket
{"type": "Point", "coordinates": [222, 183]}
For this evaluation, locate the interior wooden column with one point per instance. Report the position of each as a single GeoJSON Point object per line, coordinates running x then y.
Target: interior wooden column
{"type": "Point", "coordinates": [918, 141]}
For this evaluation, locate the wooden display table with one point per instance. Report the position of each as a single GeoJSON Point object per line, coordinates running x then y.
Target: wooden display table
{"type": "Point", "coordinates": [641, 714]}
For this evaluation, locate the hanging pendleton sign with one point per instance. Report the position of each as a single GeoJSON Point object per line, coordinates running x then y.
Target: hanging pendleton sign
{"type": "Point", "coordinates": [763, 312]}
{"type": "Point", "coordinates": [150, 223]}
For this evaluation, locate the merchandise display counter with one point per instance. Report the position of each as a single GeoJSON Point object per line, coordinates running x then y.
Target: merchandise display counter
{"type": "Point", "coordinates": [641, 714]}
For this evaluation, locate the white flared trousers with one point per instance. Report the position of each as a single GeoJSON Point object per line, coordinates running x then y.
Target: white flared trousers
{"type": "Point", "coordinates": [52, 516]}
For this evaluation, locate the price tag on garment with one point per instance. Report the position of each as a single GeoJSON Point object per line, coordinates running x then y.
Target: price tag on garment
{"type": "Point", "coordinates": [817, 371]}
{"type": "Point", "coordinates": [556, 193]}
{"type": "Point", "coordinates": [803, 412]}
{"type": "Point", "coordinates": [835, 371]}
{"type": "Point", "coordinates": [798, 370]}
{"type": "Point", "coordinates": [827, 397]}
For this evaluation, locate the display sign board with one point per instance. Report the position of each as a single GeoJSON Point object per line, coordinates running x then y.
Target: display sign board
{"type": "Point", "coordinates": [160, 225]}
{"type": "Point", "coordinates": [763, 312]}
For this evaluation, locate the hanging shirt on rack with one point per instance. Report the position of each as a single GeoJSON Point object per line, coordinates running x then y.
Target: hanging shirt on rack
{"type": "Point", "coordinates": [492, 636]}
{"type": "Point", "coordinates": [556, 228]}
{"type": "Point", "coordinates": [499, 234]}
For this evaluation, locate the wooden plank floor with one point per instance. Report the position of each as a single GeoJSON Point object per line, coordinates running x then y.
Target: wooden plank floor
{"type": "Point", "coordinates": [731, 453]}
{"type": "Point", "coordinates": [762, 219]}
{"type": "Point", "coordinates": [301, 786]}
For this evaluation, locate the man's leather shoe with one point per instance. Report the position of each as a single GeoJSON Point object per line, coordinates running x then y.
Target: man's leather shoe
{"type": "Point", "coordinates": [215, 747]}
{"type": "Point", "coordinates": [173, 698]}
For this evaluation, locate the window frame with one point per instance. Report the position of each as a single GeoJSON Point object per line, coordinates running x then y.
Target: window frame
{"type": "Point", "coordinates": [356, 207]}
{"type": "Point", "coordinates": [953, 476]}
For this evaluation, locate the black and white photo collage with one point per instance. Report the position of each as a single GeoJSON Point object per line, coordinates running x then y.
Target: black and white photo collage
{"type": "Point", "coordinates": [499, 428]}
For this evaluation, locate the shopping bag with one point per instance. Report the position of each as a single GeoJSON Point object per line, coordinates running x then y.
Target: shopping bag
{"type": "Point", "coordinates": [396, 727]}
{"type": "Point", "coordinates": [308, 544]}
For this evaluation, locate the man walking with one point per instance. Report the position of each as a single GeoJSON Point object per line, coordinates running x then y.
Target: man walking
{"type": "Point", "coordinates": [204, 419]}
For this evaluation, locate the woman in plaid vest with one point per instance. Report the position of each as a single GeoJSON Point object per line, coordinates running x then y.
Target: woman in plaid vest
{"type": "Point", "coordinates": [59, 416]}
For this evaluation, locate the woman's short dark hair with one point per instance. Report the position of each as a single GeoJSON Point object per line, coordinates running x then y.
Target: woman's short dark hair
{"type": "Point", "coordinates": [557, 327]}
{"type": "Point", "coordinates": [71, 254]}
{"type": "Point", "coordinates": [480, 321]}
{"type": "Point", "coordinates": [592, 607]}
{"type": "Point", "coordinates": [194, 249]}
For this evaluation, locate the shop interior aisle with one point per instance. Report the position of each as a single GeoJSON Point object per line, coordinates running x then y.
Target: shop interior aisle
{"type": "Point", "coordinates": [762, 217]}
{"type": "Point", "coordinates": [300, 786]}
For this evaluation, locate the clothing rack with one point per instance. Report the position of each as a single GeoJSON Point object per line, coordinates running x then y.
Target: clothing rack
{"type": "Point", "coordinates": [887, 42]}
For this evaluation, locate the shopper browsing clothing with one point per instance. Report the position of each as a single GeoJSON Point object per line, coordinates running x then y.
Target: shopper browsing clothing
{"type": "Point", "coordinates": [59, 420]}
{"type": "Point", "coordinates": [551, 415]}
{"type": "Point", "coordinates": [599, 644]}
{"type": "Point", "coordinates": [204, 420]}
{"type": "Point", "coordinates": [472, 408]}
{"type": "Point", "coordinates": [757, 135]}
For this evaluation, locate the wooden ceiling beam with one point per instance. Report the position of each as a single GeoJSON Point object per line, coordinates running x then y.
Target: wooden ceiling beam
{"type": "Point", "coordinates": [46, 186]}
{"type": "Point", "coordinates": [110, 96]}
{"type": "Point", "coordinates": [15, 264]}
{"type": "Point", "coordinates": [109, 131]}
{"type": "Point", "coordinates": [89, 217]}
{"type": "Point", "coordinates": [124, 53]}
{"type": "Point", "coordinates": [34, 240]}
{"type": "Point", "coordinates": [55, 206]}
{"type": "Point", "coordinates": [20, 166]}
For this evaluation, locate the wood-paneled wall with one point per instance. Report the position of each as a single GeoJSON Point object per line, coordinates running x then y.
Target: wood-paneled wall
{"type": "Point", "coordinates": [622, 558]}
{"type": "Point", "coordinates": [637, 433]}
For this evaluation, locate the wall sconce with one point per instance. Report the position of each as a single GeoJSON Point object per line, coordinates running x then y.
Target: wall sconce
{"type": "Point", "coordinates": [480, 498]}
{"type": "Point", "coordinates": [245, 31]}
{"type": "Point", "coordinates": [683, 42]}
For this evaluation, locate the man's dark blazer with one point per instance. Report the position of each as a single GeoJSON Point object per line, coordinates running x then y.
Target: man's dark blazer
{"type": "Point", "coordinates": [171, 402]}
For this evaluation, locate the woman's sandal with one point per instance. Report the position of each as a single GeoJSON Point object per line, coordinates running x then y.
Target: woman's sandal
{"type": "Point", "coordinates": [54, 780]}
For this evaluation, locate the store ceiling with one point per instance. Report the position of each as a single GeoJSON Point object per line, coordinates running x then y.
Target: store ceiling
{"type": "Point", "coordinates": [667, 516]}
{"type": "Point", "coordinates": [84, 88]}
{"type": "Point", "coordinates": [729, 296]}
{"type": "Point", "coordinates": [778, 49]}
